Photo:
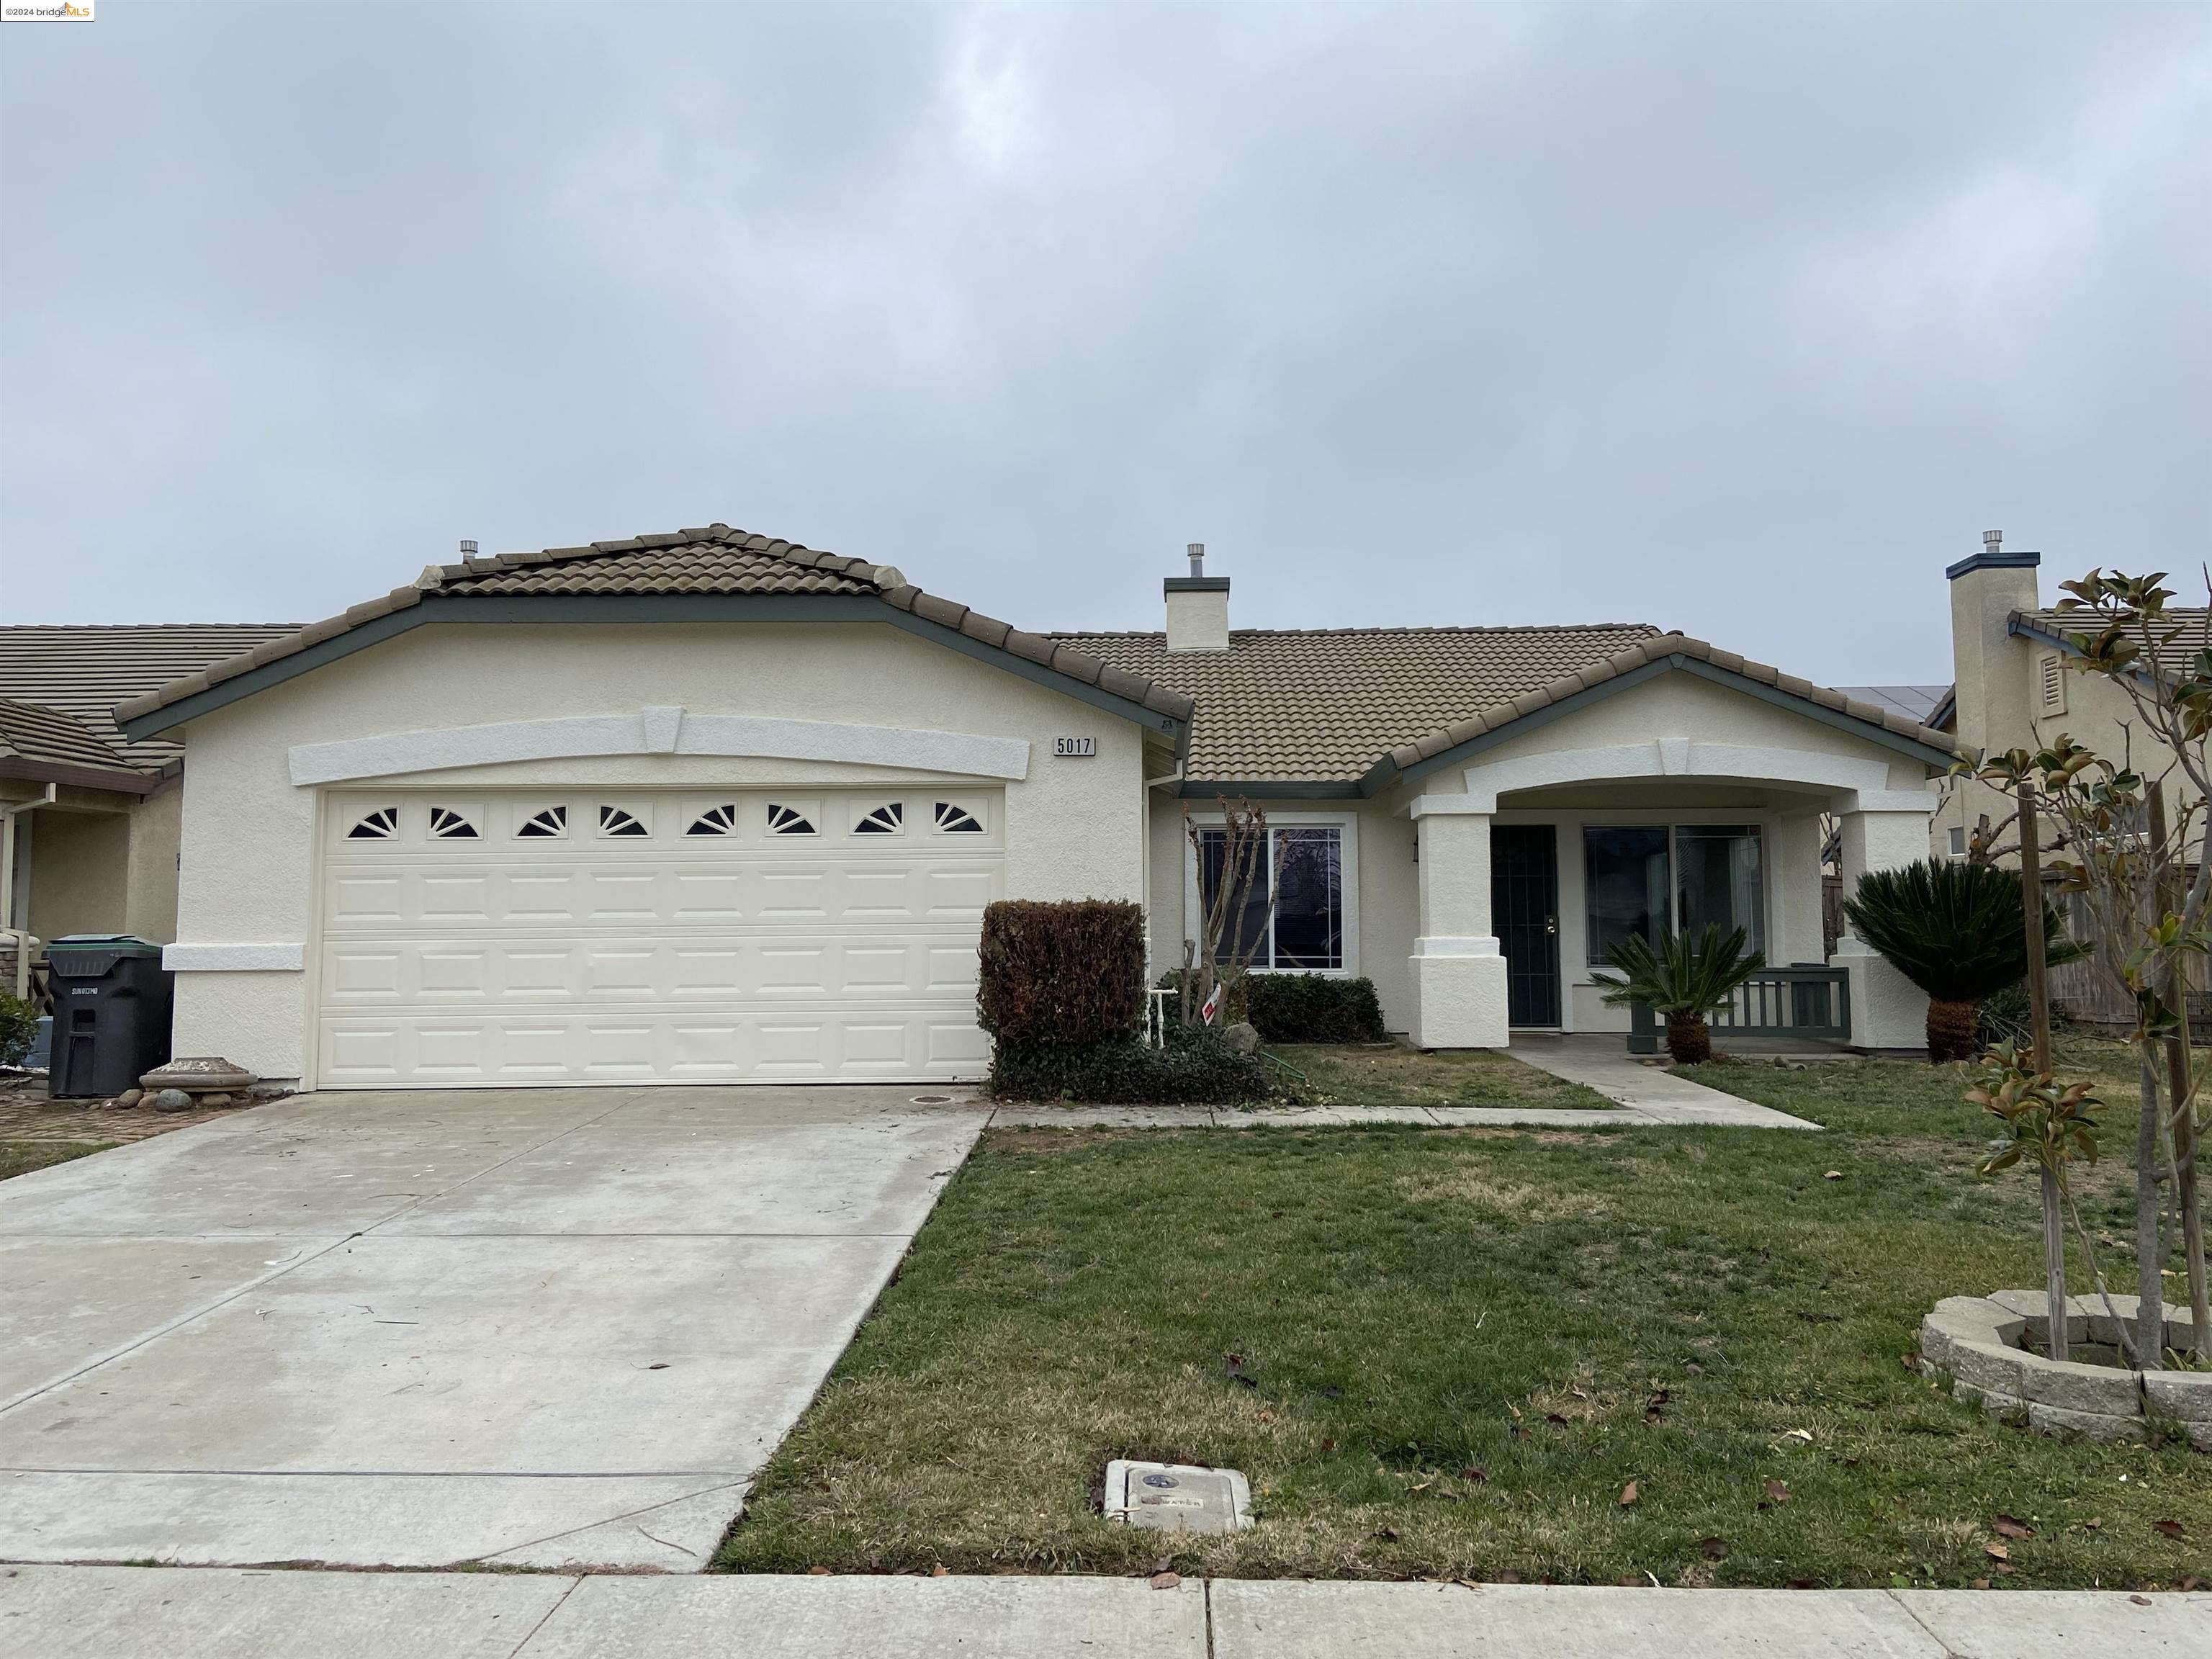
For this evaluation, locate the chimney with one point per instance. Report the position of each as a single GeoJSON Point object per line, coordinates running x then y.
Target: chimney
{"type": "Point", "coordinates": [1198, 606]}
{"type": "Point", "coordinates": [1988, 662]}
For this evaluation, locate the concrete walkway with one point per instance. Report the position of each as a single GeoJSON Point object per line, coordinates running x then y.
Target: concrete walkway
{"type": "Point", "coordinates": [1647, 1097]}
{"type": "Point", "coordinates": [122, 1612]}
{"type": "Point", "coordinates": [550, 1328]}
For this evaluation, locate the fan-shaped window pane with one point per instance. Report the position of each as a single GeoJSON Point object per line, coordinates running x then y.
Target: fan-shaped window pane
{"type": "Point", "coordinates": [784, 821]}
{"type": "Point", "coordinates": [553, 821]}
{"type": "Point", "coordinates": [382, 824]}
{"type": "Point", "coordinates": [715, 821]}
{"type": "Point", "coordinates": [957, 820]}
{"type": "Point", "coordinates": [884, 821]}
{"type": "Point", "coordinates": [613, 821]}
{"type": "Point", "coordinates": [446, 825]}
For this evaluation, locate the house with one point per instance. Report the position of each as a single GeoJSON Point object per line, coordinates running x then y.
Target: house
{"type": "Point", "coordinates": [88, 817]}
{"type": "Point", "coordinates": [2013, 688]}
{"type": "Point", "coordinates": [709, 807]}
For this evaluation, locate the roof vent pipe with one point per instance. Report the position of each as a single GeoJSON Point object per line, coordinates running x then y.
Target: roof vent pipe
{"type": "Point", "coordinates": [468, 550]}
{"type": "Point", "coordinates": [1991, 538]}
{"type": "Point", "coordinates": [1197, 551]}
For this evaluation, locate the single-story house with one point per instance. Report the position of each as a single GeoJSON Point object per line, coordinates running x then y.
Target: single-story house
{"type": "Point", "coordinates": [709, 807]}
{"type": "Point", "coordinates": [88, 817]}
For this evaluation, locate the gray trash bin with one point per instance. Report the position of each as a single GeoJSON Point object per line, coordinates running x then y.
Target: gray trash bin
{"type": "Point", "coordinates": [112, 1002]}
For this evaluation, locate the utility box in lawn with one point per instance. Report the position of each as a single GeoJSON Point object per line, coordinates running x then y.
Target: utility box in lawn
{"type": "Point", "coordinates": [112, 1002]}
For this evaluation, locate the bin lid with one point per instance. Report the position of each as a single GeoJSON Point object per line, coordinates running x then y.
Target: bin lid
{"type": "Point", "coordinates": [89, 955]}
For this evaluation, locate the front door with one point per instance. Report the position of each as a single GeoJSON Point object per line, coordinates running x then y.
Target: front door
{"type": "Point", "coordinates": [1524, 909]}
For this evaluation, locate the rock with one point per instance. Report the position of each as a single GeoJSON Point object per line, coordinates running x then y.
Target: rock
{"type": "Point", "coordinates": [2104, 1389]}
{"type": "Point", "coordinates": [172, 1100]}
{"type": "Point", "coordinates": [201, 1074]}
{"type": "Point", "coordinates": [2033, 1307]}
{"type": "Point", "coordinates": [1243, 1037]}
{"type": "Point", "coordinates": [2090, 1425]}
{"type": "Point", "coordinates": [1988, 1367]}
{"type": "Point", "coordinates": [2185, 1395]}
{"type": "Point", "coordinates": [129, 1099]}
{"type": "Point", "coordinates": [215, 1100]}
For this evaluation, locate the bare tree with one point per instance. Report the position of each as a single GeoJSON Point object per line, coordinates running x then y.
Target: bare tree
{"type": "Point", "coordinates": [1242, 843]}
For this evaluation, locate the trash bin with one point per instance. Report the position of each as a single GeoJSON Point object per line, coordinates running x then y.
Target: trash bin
{"type": "Point", "coordinates": [112, 999]}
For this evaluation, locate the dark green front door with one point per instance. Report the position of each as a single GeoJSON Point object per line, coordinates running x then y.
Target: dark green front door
{"type": "Point", "coordinates": [1524, 909]}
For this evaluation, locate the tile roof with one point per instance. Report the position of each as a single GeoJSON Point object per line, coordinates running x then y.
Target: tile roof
{"type": "Point", "coordinates": [2185, 631]}
{"type": "Point", "coordinates": [86, 671]}
{"type": "Point", "coordinates": [711, 560]}
{"type": "Point", "coordinates": [1918, 702]}
{"type": "Point", "coordinates": [1329, 705]}
{"type": "Point", "coordinates": [32, 732]}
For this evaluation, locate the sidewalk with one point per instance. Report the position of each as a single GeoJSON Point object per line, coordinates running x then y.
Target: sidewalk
{"type": "Point", "coordinates": [1646, 1095]}
{"type": "Point", "coordinates": [178, 1613]}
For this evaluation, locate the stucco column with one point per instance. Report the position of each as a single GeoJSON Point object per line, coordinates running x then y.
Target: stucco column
{"type": "Point", "coordinates": [1887, 1010]}
{"type": "Point", "coordinates": [1459, 977]}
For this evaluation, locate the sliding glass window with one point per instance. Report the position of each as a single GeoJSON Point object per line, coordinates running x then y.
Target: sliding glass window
{"type": "Point", "coordinates": [1646, 879]}
{"type": "Point", "coordinates": [1302, 932]}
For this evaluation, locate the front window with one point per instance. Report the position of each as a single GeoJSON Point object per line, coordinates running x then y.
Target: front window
{"type": "Point", "coordinates": [1304, 876]}
{"type": "Point", "coordinates": [1649, 879]}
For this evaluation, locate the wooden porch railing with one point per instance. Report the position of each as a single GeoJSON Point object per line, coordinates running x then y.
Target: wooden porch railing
{"type": "Point", "coordinates": [1814, 1004]}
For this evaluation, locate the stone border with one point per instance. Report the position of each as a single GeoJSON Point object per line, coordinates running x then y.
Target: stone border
{"type": "Point", "coordinates": [1978, 1341]}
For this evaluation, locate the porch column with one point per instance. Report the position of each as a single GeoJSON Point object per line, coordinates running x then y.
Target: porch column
{"type": "Point", "coordinates": [1887, 1010]}
{"type": "Point", "coordinates": [1459, 977]}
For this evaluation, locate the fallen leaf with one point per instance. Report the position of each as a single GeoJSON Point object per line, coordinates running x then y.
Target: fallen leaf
{"type": "Point", "coordinates": [2172, 1529]}
{"type": "Point", "coordinates": [1805, 1435]}
{"type": "Point", "coordinates": [1997, 1553]}
{"type": "Point", "coordinates": [1266, 1417]}
{"type": "Point", "coordinates": [1506, 1575]}
{"type": "Point", "coordinates": [1803, 1584]}
{"type": "Point", "coordinates": [2009, 1526]}
{"type": "Point", "coordinates": [2140, 1600]}
{"type": "Point", "coordinates": [1387, 1535]}
{"type": "Point", "coordinates": [1478, 1476]}
{"type": "Point", "coordinates": [1328, 1445]}
{"type": "Point", "coordinates": [1715, 1549]}
{"type": "Point", "coordinates": [1777, 1493]}
{"type": "Point", "coordinates": [2092, 1525]}
{"type": "Point", "coordinates": [817, 1572]}
{"type": "Point", "coordinates": [1166, 1580]}
{"type": "Point", "coordinates": [1981, 1583]}
{"type": "Point", "coordinates": [1834, 1175]}
{"type": "Point", "coordinates": [1553, 1417]}
{"type": "Point", "coordinates": [940, 1570]}
{"type": "Point", "coordinates": [657, 1365]}
{"type": "Point", "coordinates": [1628, 1494]}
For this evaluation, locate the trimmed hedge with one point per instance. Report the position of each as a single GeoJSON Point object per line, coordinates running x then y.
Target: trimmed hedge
{"type": "Point", "coordinates": [1196, 1068]}
{"type": "Point", "coordinates": [1067, 974]}
{"type": "Point", "coordinates": [1314, 1008]}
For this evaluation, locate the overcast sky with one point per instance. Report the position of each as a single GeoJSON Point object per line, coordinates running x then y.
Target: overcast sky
{"type": "Point", "coordinates": [1744, 319]}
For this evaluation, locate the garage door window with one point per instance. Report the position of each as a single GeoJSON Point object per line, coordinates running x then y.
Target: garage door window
{"type": "Point", "coordinates": [382, 824]}
{"type": "Point", "coordinates": [788, 821]}
{"type": "Point", "coordinates": [448, 825]}
{"type": "Point", "coordinates": [549, 824]}
{"type": "Point", "coordinates": [614, 821]}
{"type": "Point", "coordinates": [955, 819]}
{"type": "Point", "coordinates": [886, 820]}
{"type": "Point", "coordinates": [716, 821]}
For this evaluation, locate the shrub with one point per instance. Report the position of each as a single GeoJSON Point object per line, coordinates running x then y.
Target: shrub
{"type": "Point", "coordinates": [1232, 994]}
{"type": "Point", "coordinates": [1196, 1068]}
{"type": "Point", "coordinates": [1314, 1008]}
{"type": "Point", "coordinates": [1067, 974]}
{"type": "Point", "coordinates": [19, 1027]}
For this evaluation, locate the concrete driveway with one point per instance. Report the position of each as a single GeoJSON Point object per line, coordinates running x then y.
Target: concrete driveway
{"type": "Point", "coordinates": [537, 1327]}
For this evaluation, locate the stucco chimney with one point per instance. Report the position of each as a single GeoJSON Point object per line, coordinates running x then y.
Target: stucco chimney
{"type": "Point", "coordinates": [1988, 663]}
{"type": "Point", "coordinates": [1197, 607]}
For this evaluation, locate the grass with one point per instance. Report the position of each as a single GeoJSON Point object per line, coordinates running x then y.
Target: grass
{"type": "Point", "coordinates": [21, 1156]}
{"type": "Point", "coordinates": [1456, 1348]}
{"type": "Point", "coordinates": [1387, 1074]}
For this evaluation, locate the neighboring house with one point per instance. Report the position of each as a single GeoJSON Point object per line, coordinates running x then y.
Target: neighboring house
{"type": "Point", "coordinates": [712, 807]}
{"type": "Point", "coordinates": [87, 817]}
{"type": "Point", "coordinates": [2014, 689]}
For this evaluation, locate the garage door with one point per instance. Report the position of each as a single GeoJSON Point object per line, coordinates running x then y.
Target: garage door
{"type": "Point", "coordinates": [495, 939]}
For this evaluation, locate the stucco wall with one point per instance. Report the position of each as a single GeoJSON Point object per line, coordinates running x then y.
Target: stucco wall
{"type": "Point", "coordinates": [79, 862]}
{"type": "Point", "coordinates": [150, 891]}
{"type": "Point", "coordinates": [1074, 827]}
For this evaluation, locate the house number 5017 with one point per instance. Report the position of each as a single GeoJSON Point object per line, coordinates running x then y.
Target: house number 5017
{"type": "Point", "coordinates": [1080, 748]}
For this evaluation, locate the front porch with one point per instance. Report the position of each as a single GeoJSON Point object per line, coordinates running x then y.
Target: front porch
{"type": "Point", "coordinates": [1532, 873]}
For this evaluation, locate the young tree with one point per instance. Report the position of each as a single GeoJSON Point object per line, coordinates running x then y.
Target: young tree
{"type": "Point", "coordinates": [2144, 876]}
{"type": "Point", "coordinates": [1232, 855]}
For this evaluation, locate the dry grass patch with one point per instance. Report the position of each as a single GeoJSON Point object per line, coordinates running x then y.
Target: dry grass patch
{"type": "Point", "coordinates": [1389, 1074]}
{"type": "Point", "coordinates": [1468, 1184]}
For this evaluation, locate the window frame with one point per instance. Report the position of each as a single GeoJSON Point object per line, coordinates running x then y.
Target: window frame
{"type": "Point", "coordinates": [1674, 828]}
{"type": "Point", "coordinates": [1347, 824]}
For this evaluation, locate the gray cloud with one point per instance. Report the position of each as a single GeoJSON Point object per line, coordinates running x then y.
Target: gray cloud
{"type": "Point", "coordinates": [1743, 321]}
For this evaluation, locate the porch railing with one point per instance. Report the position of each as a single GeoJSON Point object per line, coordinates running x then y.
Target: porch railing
{"type": "Point", "coordinates": [1814, 1004]}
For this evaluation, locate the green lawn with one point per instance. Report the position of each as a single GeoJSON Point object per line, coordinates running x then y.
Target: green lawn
{"type": "Point", "coordinates": [1456, 1348]}
{"type": "Point", "coordinates": [21, 1156]}
{"type": "Point", "coordinates": [1389, 1074]}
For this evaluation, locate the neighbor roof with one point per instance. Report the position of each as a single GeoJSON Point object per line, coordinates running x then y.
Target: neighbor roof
{"type": "Point", "coordinates": [85, 671]}
{"type": "Point", "coordinates": [45, 743]}
{"type": "Point", "coordinates": [1916, 702]}
{"type": "Point", "coordinates": [1339, 706]}
{"type": "Point", "coordinates": [713, 561]}
{"type": "Point", "coordinates": [2185, 631]}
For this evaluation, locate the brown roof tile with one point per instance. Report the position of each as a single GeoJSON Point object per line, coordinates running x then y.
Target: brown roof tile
{"type": "Point", "coordinates": [86, 671]}
{"type": "Point", "coordinates": [32, 732]}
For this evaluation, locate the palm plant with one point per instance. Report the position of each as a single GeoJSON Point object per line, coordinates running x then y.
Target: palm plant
{"type": "Point", "coordinates": [1957, 930]}
{"type": "Point", "coordinates": [1684, 979]}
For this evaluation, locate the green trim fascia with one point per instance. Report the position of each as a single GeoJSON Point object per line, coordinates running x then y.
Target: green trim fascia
{"type": "Point", "coordinates": [1300, 789]}
{"type": "Point", "coordinates": [1383, 774]}
{"type": "Point", "coordinates": [555, 609]}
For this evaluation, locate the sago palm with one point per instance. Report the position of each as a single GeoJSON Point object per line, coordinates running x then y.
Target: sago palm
{"type": "Point", "coordinates": [1685, 979]}
{"type": "Point", "coordinates": [1957, 930]}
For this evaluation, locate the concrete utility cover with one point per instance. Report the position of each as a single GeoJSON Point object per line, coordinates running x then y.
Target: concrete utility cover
{"type": "Point", "coordinates": [1177, 1497]}
{"type": "Point", "coordinates": [541, 1328]}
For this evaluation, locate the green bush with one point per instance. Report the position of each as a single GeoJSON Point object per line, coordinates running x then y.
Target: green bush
{"type": "Point", "coordinates": [1314, 1008]}
{"type": "Point", "coordinates": [19, 1027]}
{"type": "Point", "coordinates": [1196, 1068]}
{"type": "Point", "coordinates": [1232, 1001]}
{"type": "Point", "coordinates": [1069, 975]}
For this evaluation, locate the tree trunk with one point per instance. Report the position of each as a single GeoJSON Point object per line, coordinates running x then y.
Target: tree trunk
{"type": "Point", "coordinates": [2182, 1101]}
{"type": "Point", "coordinates": [1689, 1039]}
{"type": "Point", "coordinates": [2054, 1261]}
{"type": "Point", "coordinates": [2031, 897]}
{"type": "Point", "coordinates": [2150, 1316]}
{"type": "Point", "coordinates": [1952, 1027]}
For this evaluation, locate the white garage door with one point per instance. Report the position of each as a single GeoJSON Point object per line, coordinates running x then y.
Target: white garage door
{"type": "Point", "coordinates": [474, 940]}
